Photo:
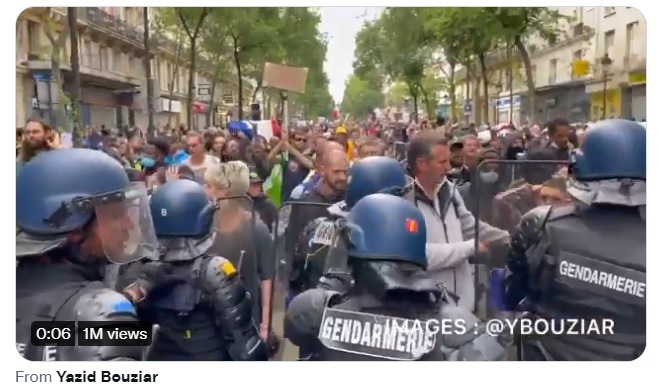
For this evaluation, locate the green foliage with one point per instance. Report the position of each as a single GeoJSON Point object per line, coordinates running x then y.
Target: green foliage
{"type": "Point", "coordinates": [246, 38]}
{"type": "Point", "coordinates": [360, 98]}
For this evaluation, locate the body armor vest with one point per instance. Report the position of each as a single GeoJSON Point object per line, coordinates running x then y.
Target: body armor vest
{"type": "Point", "coordinates": [188, 329]}
{"type": "Point", "coordinates": [595, 269]}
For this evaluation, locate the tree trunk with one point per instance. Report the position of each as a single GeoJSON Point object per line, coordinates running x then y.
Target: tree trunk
{"type": "Point", "coordinates": [61, 121]}
{"type": "Point", "coordinates": [148, 75]}
{"type": "Point", "coordinates": [193, 37]}
{"type": "Point", "coordinates": [451, 91]}
{"type": "Point", "coordinates": [212, 92]}
{"type": "Point", "coordinates": [486, 102]}
{"type": "Point", "coordinates": [191, 85]}
{"type": "Point", "coordinates": [257, 89]}
{"type": "Point", "coordinates": [171, 83]}
{"type": "Point", "coordinates": [530, 84]}
{"type": "Point", "coordinates": [429, 108]}
{"type": "Point", "coordinates": [240, 92]}
{"type": "Point", "coordinates": [75, 98]}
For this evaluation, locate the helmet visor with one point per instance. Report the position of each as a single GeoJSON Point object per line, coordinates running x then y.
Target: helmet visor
{"type": "Point", "coordinates": [125, 225]}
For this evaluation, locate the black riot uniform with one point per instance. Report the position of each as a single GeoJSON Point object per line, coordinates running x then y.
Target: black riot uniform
{"type": "Point", "coordinates": [587, 260]}
{"type": "Point", "coordinates": [321, 256]}
{"type": "Point", "coordinates": [207, 316]}
{"type": "Point", "coordinates": [393, 311]}
{"type": "Point", "coordinates": [63, 198]}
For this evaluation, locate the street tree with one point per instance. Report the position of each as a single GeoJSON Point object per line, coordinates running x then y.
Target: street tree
{"type": "Point", "coordinates": [148, 73]}
{"type": "Point", "coordinates": [76, 96]}
{"type": "Point", "coordinates": [304, 46]}
{"type": "Point", "coordinates": [251, 34]}
{"type": "Point", "coordinates": [166, 22]}
{"type": "Point", "coordinates": [191, 20]}
{"type": "Point", "coordinates": [215, 45]}
{"type": "Point", "coordinates": [56, 29]}
{"type": "Point", "coordinates": [480, 36]}
{"type": "Point", "coordinates": [404, 52]}
{"type": "Point", "coordinates": [360, 98]}
{"type": "Point", "coordinates": [517, 24]}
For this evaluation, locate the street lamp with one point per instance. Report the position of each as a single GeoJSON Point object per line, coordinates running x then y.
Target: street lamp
{"type": "Point", "coordinates": [605, 63]}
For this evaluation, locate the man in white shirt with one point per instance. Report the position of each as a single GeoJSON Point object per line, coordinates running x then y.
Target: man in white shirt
{"type": "Point", "coordinates": [451, 227]}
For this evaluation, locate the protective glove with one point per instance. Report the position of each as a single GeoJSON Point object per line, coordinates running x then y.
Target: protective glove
{"type": "Point", "coordinates": [152, 275]}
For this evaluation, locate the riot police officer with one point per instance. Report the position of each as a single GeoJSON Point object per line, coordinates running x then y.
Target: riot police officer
{"type": "Point", "coordinates": [324, 260]}
{"type": "Point", "coordinates": [207, 316]}
{"type": "Point", "coordinates": [393, 311]}
{"type": "Point", "coordinates": [74, 209]}
{"type": "Point", "coordinates": [587, 260]}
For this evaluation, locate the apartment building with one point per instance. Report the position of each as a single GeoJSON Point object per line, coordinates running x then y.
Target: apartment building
{"type": "Point", "coordinates": [590, 33]}
{"type": "Point", "coordinates": [113, 80]}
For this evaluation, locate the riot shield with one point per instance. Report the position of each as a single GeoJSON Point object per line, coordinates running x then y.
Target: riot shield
{"type": "Point", "coordinates": [236, 232]}
{"type": "Point", "coordinates": [295, 230]}
{"type": "Point", "coordinates": [499, 202]}
{"type": "Point", "coordinates": [401, 151]}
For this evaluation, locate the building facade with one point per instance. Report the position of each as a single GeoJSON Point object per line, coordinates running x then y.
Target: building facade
{"type": "Point", "coordinates": [618, 88]}
{"type": "Point", "coordinates": [113, 81]}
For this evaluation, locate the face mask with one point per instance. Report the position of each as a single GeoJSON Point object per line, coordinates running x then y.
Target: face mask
{"type": "Point", "coordinates": [147, 162]}
{"type": "Point", "coordinates": [489, 176]}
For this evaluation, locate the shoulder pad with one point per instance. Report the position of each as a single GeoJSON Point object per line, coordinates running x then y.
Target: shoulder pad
{"type": "Point", "coordinates": [305, 312]}
{"type": "Point", "coordinates": [218, 267]}
{"type": "Point", "coordinates": [104, 305]}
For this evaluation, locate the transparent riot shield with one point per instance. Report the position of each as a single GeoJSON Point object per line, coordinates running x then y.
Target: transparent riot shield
{"type": "Point", "coordinates": [298, 230]}
{"type": "Point", "coordinates": [503, 191]}
{"type": "Point", "coordinates": [236, 239]}
{"type": "Point", "coordinates": [401, 151]}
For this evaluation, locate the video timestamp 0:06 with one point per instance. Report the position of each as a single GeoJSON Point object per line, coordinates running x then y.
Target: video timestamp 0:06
{"type": "Point", "coordinates": [107, 333]}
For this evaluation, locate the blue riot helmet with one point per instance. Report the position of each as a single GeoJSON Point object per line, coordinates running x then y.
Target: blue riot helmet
{"type": "Point", "coordinates": [62, 191]}
{"type": "Point", "coordinates": [613, 149]}
{"type": "Point", "coordinates": [376, 174]}
{"type": "Point", "coordinates": [383, 227]}
{"type": "Point", "coordinates": [181, 209]}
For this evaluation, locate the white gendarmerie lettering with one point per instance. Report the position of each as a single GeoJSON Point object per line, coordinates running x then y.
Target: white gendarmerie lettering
{"type": "Point", "coordinates": [600, 278]}
{"type": "Point", "coordinates": [392, 334]}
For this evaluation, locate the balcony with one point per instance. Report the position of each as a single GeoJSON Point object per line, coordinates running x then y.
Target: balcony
{"type": "Point", "coordinates": [110, 25]}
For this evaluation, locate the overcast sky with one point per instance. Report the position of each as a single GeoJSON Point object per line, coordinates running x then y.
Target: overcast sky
{"type": "Point", "coordinates": [341, 24]}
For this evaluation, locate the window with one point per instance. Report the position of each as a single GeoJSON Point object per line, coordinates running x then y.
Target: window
{"type": "Point", "coordinates": [87, 55]}
{"type": "Point", "coordinates": [609, 11]}
{"type": "Point", "coordinates": [610, 38]}
{"type": "Point", "coordinates": [103, 58]}
{"type": "Point", "coordinates": [33, 37]}
{"type": "Point", "coordinates": [630, 36]}
{"type": "Point", "coordinates": [578, 30]}
{"type": "Point", "coordinates": [552, 71]}
{"type": "Point", "coordinates": [534, 69]}
{"type": "Point", "coordinates": [118, 65]}
{"type": "Point", "coordinates": [576, 56]}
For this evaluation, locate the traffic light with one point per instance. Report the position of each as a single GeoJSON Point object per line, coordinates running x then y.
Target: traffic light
{"type": "Point", "coordinates": [256, 114]}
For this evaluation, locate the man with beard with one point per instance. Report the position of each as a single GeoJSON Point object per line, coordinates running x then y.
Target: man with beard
{"type": "Point", "coordinates": [37, 137]}
{"type": "Point", "coordinates": [330, 189]}
{"type": "Point", "coordinates": [242, 238]}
